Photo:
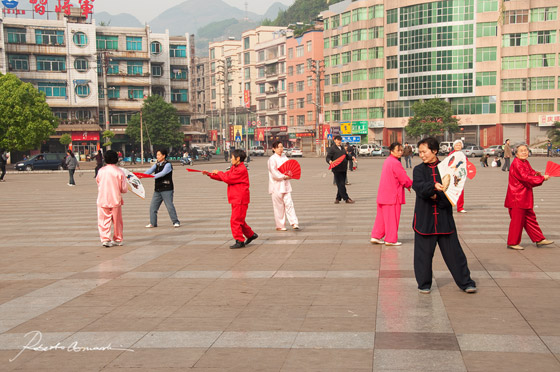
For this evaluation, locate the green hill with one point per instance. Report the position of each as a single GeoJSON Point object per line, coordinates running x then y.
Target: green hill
{"type": "Point", "coordinates": [301, 11]}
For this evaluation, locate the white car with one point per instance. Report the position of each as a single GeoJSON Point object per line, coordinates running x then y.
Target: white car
{"type": "Point", "coordinates": [296, 152]}
{"type": "Point", "coordinates": [365, 150]}
{"type": "Point", "coordinates": [257, 151]}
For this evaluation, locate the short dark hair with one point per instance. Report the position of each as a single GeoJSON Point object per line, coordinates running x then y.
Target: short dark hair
{"type": "Point", "coordinates": [111, 157]}
{"type": "Point", "coordinates": [163, 152]}
{"type": "Point", "coordinates": [431, 142]}
{"type": "Point", "coordinates": [337, 137]}
{"type": "Point", "coordinates": [275, 144]}
{"type": "Point", "coordinates": [238, 153]}
{"type": "Point", "coordinates": [69, 152]}
{"type": "Point", "coordinates": [394, 144]}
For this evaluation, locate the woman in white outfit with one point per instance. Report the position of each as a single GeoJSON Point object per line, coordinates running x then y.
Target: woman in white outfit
{"type": "Point", "coordinates": [280, 188]}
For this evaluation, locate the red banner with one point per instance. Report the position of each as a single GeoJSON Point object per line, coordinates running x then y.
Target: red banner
{"type": "Point", "coordinates": [325, 131]}
{"type": "Point", "coordinates": [85, 136]}
{"type": "Point", "coordinates": [213, 135]}
{"type": "Point", "coordinates": [247, 98]}
{"type": "Point", "coordinates": [304, 134]}
{"type": "Point", "coordinates": [259, 134]}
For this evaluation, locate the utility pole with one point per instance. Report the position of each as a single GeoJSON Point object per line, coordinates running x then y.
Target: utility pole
{"type": "Point", "coordinates": [105, 69]}
{"type": "Point", "coordinates": [226, 97]}
{"type": "Point", "coordinates": [317, 71]}
{"type": "Point", "coordinates": [141, 138]}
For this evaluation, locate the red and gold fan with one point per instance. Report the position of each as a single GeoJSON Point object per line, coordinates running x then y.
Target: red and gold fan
{"type": "Point", "coordinates": [291, 168]}
{"type": "Point", "coordinates": [142, 175]}
{"type": "Point", "coordinates": [552, 169]}
{"type": "Point", "coordinates": [336, 162]}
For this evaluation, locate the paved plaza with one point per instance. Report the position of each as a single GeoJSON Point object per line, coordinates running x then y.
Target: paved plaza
{"type": "Point", "coordinates": [318, 299]}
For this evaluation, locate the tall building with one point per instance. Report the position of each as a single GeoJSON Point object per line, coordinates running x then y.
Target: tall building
{"type": "Point", "coordinates": [494, 61]}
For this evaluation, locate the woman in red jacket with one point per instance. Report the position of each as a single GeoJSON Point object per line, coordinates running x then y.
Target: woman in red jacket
{"type": "Point", "coordinates": [237, 179]}
{"type": "Point", "coordinates": [519, 200]}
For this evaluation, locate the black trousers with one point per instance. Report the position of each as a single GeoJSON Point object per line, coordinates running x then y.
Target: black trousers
{"type": "Point", "coordinates": [3, 169]}
{"type": "Point", "coordinates": [97, 168]}
{"type": "Point", "coordinates": [350, 165]}
{"type": "Point", "coordinates": [340, 180]}
{"type": "Point", "coordinates": [453, 255]}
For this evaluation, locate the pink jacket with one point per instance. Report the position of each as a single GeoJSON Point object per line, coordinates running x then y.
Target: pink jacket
{"type": "Point", "coordinates": [111, 183]}
{"type": "Point", "coordinates": [392, 183]}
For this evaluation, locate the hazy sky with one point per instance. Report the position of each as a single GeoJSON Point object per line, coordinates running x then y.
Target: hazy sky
{"type": "Point", "coordinates": [146, 10]}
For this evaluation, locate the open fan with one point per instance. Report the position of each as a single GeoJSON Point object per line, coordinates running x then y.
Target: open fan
{"type": "Point", "coordinates": [192, 170]}
{"type": "Point", "coordinates": [291, 168]}
{"type": "Point", "coordinates": [337, 162]}
{"type": "Point", "coordinates": [471, 170]}
{"type": "Point", "coordinates": [142, 175]}
{"type": "Point", "coordinates": [552, 169]}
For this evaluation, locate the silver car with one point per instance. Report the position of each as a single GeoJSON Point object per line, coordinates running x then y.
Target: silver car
{"type": "Point", "coordinates": [380, 151]}
{"type": "Point", "coordinates": [473, 151]}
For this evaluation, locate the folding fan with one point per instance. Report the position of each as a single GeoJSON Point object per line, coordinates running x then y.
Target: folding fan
{"type": "Point", "coordinates": [192, 170]}
{"type": "Point", "coordinates": [142, 175]}
{"type": "Point", "coordinates": [291, 168]}
{"type": "Point", "coordinates": [471, 170]}
{"type": "Point", "coordinates": [337, 162]}
{"type": "Point", "coordinates": [552, 169]}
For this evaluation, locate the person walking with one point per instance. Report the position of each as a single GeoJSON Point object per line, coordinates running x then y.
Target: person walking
{"type": "Point", "coordinates": [458, 146]}
{"type": "Point", "coordinates": [340, 171]}
{"type": "Point", "coordinates": [163, 189]}
{"type": "Point", "coordinates": [519, 200]}
{"type": "Point", "coordinates": [351, 156]}
{"type": "Point", "coordinates": [111, 184]}
{"type": "Point", "coordinates": [132, 157]}
{"type": "Point", "coordinates": [3, 161]}
{"type": "Point", "coordinates": [507, 156]}
{"type": "Point", "coordinates": [433, 224]}
{"type": "Point", "coordinates": [390, 197]}
{"type": "Point", "coordinates": [280, 189]}
{"type": "Point", "coordinates": [407, 153]}
{"type": "Point", "coordinates": [71, 165]}
{"type": "Point", "coordinates": [99, 162]}
{"type": "Point", "coordinates": [237, 179]}
{"type": "Point", "coordinates": [549, 149]}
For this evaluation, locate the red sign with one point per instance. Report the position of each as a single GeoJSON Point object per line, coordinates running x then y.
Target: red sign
{"type": "Point", "coordinates": [231, 134]}
{"type": "Point", "coordinates": [60, 8]}
{"type": "Point", "coordinates": [85, 136]}
{"type": "Point", "coordinates": [259, 134]}
{"type": "Point", "coordinates": [12, 11]}
{"type": "Point", "coordinates": [304, 134]}
{"type": "Point", "coordinates": [325, 131]}
{"type": "Point", "coordinates": [247, 98]}
{"type": "Point", "coordinates": [87, 7]}
{"type": "Point", "coordinates": [39, 6]}
{"type": "Point", "coordinates": [213, 135]}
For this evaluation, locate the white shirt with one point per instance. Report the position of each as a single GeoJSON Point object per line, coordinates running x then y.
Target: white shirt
{"type": "Point", "coordinates": [276, 181]}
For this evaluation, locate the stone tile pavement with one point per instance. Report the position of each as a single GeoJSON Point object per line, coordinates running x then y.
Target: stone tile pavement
{"type": "Point", "coordinates": [318, 299]}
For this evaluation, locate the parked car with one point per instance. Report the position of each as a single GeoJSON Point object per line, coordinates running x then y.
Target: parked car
{"type": "Point", "coordinates": [257, 151]}
{"type": "Point", "coordinates": [445, 147]}
{"type": "Point", "coordinates": [495, 150]}
{"type": "Point", "coordinates": [380, 151]}
{"type": "Point", "coordinates": [365, 150]}
{"type": "Point", "coordinates": [296, 152]}
{"type": "Point", "coordinates": [45, 161]}
{"type": "Point", "coordinates": [414, 149]}
{"type": "Point", "coordinates": [473, 151]}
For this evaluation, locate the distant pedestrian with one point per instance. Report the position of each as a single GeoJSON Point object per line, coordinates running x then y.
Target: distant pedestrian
{"type": "Point", "coordinates": [71, 164]}
{"type": "Point", "coordinates": [280, 189]}
{"type": "Point", "coordinates": [519, 200]}
{"type": "Point", "coordinates": [163, 189]}
{"type": "Point", "coordinates": [351, 156]}
{"type": "Point", "coordinates": [484, 160]}
{"type": "Point", "coordinates": [549, 148]}
{"type": "Point", "coordinates": [132, 157]}
{"type": "Point", "coordinates": [390, 197]}
{"type": "Point", "coordinates": [507, 156]}
{"type": "Point", "coordinates": [111, 184]}
{"type": "Point", "coordinates": [98, 161]}
{"type": "Point", "coordinates": [3, 161]}
{"type": "Point", "coordinates": [407, 153]}
{"type": "Point", "coordinates": [237, 179]}
{"type": "Point", "coordinates": [496, 162]}
{"type": "Point", "coordinates": [340, 171]}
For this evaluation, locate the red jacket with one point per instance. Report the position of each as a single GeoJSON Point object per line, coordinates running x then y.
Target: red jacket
{"type": "Point", "coordinates": [522, 179]}
{"type": "Point", "coordinates": [237, 179]}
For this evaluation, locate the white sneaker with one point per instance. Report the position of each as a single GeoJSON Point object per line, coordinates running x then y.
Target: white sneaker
{"type": "Point", "coordinates": [295, 227]}
{"type": "Point", "coordinates": [119, 243]}
{"type": "Point", "coordinates": [393, 244]}
{"type": "Point", "coordinates": [107, 244]}
{"type": "Point", "coordinates": [376, 241]}
{"type": "Point", "coordinates": [177, 224]}
{"type": "Point", "coordinates": [281, 229]}
{"type": "Point", "coordinates": [462, 211]}
{"type": "Point", "coordinates": [149, 226]}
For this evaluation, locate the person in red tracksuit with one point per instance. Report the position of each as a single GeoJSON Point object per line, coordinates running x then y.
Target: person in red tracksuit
{"type": "Point", "coordinates": [519, 200]}
{"type": "Point", "coordinates": [237, 179]}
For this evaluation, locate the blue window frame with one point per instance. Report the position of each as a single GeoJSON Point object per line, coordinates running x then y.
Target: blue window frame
{"type": "Point", "coordinates": [49, 37]}
{"type": "Point", "coordinates": [178, 51]}
{"type": "Point", "coordinates": [51, 63]}
{"type": "Point", "coordinates": [134, 67]}
{"type": "Point", "coordinates": [53, 89]}
{"type": "Point", "coordinates": [135, 92]}
{"type": "Point", "coordinates": [179, 95]}
{"type": "Point", "coordinates": [133, 43]}
{"type": "Point", "coordinates": [83, 90]}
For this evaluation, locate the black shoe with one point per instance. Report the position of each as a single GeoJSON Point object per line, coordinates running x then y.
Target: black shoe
{"type": "Point", "coordinates": [350, 201]}
{"type": "Point", "coordinates": [336, 201]}
{"type": "Point", "coordinates": [238, 244]}
{"type": "Point", "coordinates": [249, 240]}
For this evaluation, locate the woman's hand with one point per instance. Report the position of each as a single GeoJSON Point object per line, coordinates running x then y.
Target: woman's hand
{"type": "Point", "coordinates": [438, 186]}
{"type": "Point", "coordinates": [546, 177]}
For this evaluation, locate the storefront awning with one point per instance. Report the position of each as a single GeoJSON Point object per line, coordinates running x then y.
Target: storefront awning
{"type": "Point", "coordinates": [194, 133]}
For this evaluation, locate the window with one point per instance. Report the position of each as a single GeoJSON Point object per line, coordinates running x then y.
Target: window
{"type": "Point", "coordinates": [474, 105]}
{"type": "Point", "coordinates": [178, 73]}
{"type": "Point", "coordinates": [16, 35]}
{"type": "Point", "coordinates": [335, 79]}
{"type": "Point", "coordinates": [516, 16]}
{"type": "Point", "coordinates": [486, 29]}
{"type": "Point", "coordinates": [514, 62]}
{"type": "Point", "coordinates": [80, 39]}
{"type": "Point", "coordinates": [156, 47]}
{"type": "Point", "coordinates": [212, 53]}
{"type": "Point", "coordinates": [81, 64]}
{"type": "Point", "coordinates": [543, 14]}
{"type": "Point", "coordinates": [542, 60]}
{"type": "Point", "coordinates": [375, 33]}
{"type": "Point", "coordinates": [359, 35]}
{"type": "Point", "coordinates": [375, 113]}
{"type": "Point", "coordinates": [375, 73]}
{"type": "Point", "coordinates": [299, 51]}
{"type": "Point", "coordinates": [246, 58]}
{"type": "Point", "coordinates": [309, 81]}
{"type": "Point", "coordinates": [49, 37]}
{"type": "Point", "coordinates": [291, 104]}
{"type": "Point", "coordinates": [261, 55]}
{"type": "Point", "coordinates": [327, 98]}
{"type": "Point", "coordinates": [359, 14]}
{"type": "Point", "coordinates": [299, 69]}
{"type": "Point", "coordinates": [300, 103]}
{"type": "Point", "coordinates": [486, 6]}
{"type": "Point", "coordinates": [346, 95]}
{"type": "Point", "coordinates": [107, 42]}
{"type": "Point", "coordinates": [514, 85]}
{"type": "Point", "coordinates": [347, 114]}
{"type": "Point", "coordinates": [178, 51]}
{"type": "Point", "coordinates": [518, 39]}
{"type": "Point", "coordinates": [290, 70]}
{"type": "Point", "coordinates": [184, 119]}
{"type": "Point", "coordinates": [51, 63]}
{"type": "Point", "coordinates": [392, 85]}
{"type": "Point", "coordinates": [135, 92]}
{"type": "Point", "coordinates": [345, 19]}
{"type": "Point", "coordinates": [262, 88]}
{"type": "Point", "coordinates": [376, 93]}
{"type": "Point", "coordinates": [309, 46]}
{"type": "Point", "coordinates": [335, 97]}
{"type": "Point", "coordinates": [485, 54]}
{"type": "Point", "coordinates": [344, 39]}
{"type": "Point", "coordinates": [346, 77]}
{"type": "Point", "coordinates": [309, 98]}
{"type": "Point", "coordinates": [375, 11]}
{"type": "Point", "coordinates": [543, 37]}
{"type": "Point", "coordinates": [485, 78]}
{"type": "Point", "coordinates": [542, 83]}
{"type": "Point", "coordinates": [541, 105]}
{"type": "Point", "coordinates": [513, 107]}
{"type": "Point", "coordinates": [346, 58]}
{"type": "Point", "coordinates": [360, 113]}
{"type": "Point", "coordinates": [392, 16]}
{"type": "Point", "coordinates": [360, 75]}
{"type": "Point", "coordinates": [133, 43]}
{"type": "Point", "coordinates": [392, 39]}
{"type": "Point", "coordinates": [113, 68]}
{"type": "Point", "coordinates": [134, 67]}
{"type": "Point", "coordinates": [82, 90]}
{"type": "Point", "coordinates": [114, 92]}
{"type": "Point", "coordinates": [392, 62]}
{"type": "Point", "coordinates": [18, 62]}
{"type": "Point", "coordinates": [359, 94]}
{"type": "Point", "coordinates": [247, 73]}
{"type": "Point", "coordinates": [309, 116]}
{"type": "Point", "coordinates": [83, 114]}
{"type": "Point", "coordinates": [179, 95]}
{"type": "Point", "coordinates": [299, 86]}
{"type": "Point", "coordinates": [53, 89]}
{"type": "Point", "coordinates": [119, 117]}
{"type": "Point", "coordinates": [290, 87]}
{"type": "Point", "coordinates": [326, 43]}
{"type": "Point", "coordinates": [290, 53]}
{"type": "Point", "coordinates": [246, 43]}
{"type": "Point", "coordinates": [327, 116]}
{"type": "Point", "coordinates": [375, 52]}
{"type": "Point", "coordinates": [301, 120]}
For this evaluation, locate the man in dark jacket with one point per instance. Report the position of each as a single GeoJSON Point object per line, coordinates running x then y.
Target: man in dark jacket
{"type": "Point", "coordinates": [3, 161]}
{"type": "Point", "coordinates": [334, 152]}
{"type": "Point", "coordinates": [99, 162]}
{"type": "Point", "coordinates": [163, 191]}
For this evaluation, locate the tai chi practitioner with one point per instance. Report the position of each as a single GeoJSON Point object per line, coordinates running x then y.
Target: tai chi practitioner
{"type": "Point", "coordinates": [280, 189]}
{"type": "Point", "coordinates": [390, 197]}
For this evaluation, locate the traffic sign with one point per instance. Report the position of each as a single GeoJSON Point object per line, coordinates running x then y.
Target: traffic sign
{"type": "Point", "coordinates": [351, 139]}
{"type": "Point", "coordinates": [329, 136]}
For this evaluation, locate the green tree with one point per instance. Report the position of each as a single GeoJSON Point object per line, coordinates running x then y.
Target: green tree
{"type": "Point", "coordinates": [554, 133]}
{"type": "Point", "coordinates": [26, 119]}
{"type": "Point", "coordinates": [160, 124]}
{"type": "Point", "coordinates": [432, 118]}
{"type": "Point", "coordinates": [65, 139]}
{"type": "Point", "coordinates": [108, 135]}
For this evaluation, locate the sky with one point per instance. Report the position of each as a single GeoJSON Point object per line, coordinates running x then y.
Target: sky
{"type": "Point", "coordinates": [145, 10]}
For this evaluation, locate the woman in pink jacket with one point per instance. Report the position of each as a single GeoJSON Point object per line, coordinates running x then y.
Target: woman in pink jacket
{"type": "Point", "coordinates": [390, 197]}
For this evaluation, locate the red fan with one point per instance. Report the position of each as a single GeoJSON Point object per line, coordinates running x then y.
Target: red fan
{"type": "Point", "coordinates": [193, 170]}
{"type": "Point", "coordinates": [291, 168]}
{"type": "Point", "coordinates": [552, 169]}
{"type": "Point", "coordinates": [471, 170]}
{"type": "Point", "coordinates": [336, 162]}
{"type": "Point", "coordinates": [142, 175]}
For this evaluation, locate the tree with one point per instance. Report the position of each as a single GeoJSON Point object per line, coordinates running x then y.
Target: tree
{"type": "Point", "coordinates": [160, 124]}
{"type": "Point", "coordinates": [108, 135]}
{"type": "Point", "coordinates": [432, 118]}
{"type": "Point", "coordinates": [26, 119]}
{"type": "Point", "coordinates": [554, 133]}
{"type": "Point", "coordinates": [65, 139]}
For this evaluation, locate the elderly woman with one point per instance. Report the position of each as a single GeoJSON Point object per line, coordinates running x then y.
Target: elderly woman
{"type": "Point", "coordinates": [280, 189]}
{"type": "Point", "coordinates": [519, 200]}
{"type": "Point", "coordinates": [458, 146]}
{"type": "Point", "coordinates": [390, 197]}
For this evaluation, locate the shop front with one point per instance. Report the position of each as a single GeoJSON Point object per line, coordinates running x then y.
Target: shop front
{"type": "Point", "coordinates": [85, 144]}
{"type": "Point", "coordinates": [375, 128]}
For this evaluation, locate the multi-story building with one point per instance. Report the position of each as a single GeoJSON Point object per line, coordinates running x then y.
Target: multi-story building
{"type": "Point", "coordinates": [64, 58]}
{"type": "Point", "coordinates": [305, 60]}
{"type": "Point", "coordinates": [494, 61]}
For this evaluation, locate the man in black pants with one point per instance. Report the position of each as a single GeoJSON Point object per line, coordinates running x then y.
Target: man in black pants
{"type": "Point", "coordinates": [3, 161]}
{"type": "Point", "coordinates": [334, 152]}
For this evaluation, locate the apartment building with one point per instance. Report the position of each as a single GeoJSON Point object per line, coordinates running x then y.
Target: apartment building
{"type": "Point", "coordinates": [64, 58]}
{"type": "Point", "coordinates": [495, 62]}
